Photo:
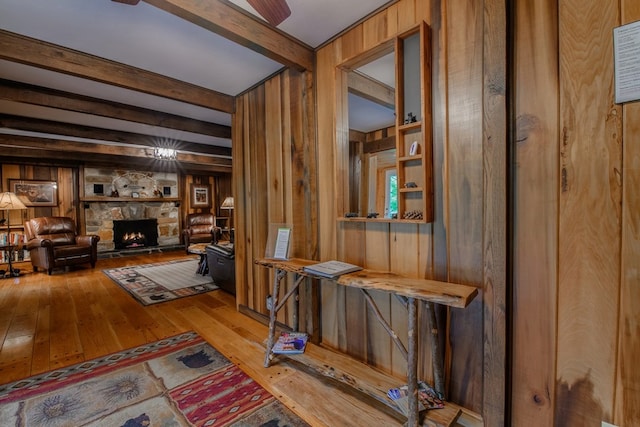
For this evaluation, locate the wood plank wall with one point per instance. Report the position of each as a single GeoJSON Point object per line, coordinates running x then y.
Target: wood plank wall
{"type": "Point", "coordinates": [274, 164]}
{"type": "Point", "coordinates": [468, 214]}
{"type": "Point", "coordinates": [576, 213]}
{"type": "Point", "coordinates": [626, 409]}
{"type": "Point", "coordinates": [575, 207]}
{"type": "Point", "coordinates": [288, 167]}
{"type": "Point", "coordinates": [535, 206]}
{"type": "Point", "coordinates": [67, 179]}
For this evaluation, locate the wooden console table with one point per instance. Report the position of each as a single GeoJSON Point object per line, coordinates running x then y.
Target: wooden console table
{"type": "Point", "coordinates": [407, 290]}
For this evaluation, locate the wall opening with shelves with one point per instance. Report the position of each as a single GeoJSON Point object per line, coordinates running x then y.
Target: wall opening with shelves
{"type": "Point", "coordinates": [396, 76]}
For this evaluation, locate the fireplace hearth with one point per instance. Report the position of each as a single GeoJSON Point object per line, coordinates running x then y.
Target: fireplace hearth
{"type": "Point", "coordinates": [135, 233]}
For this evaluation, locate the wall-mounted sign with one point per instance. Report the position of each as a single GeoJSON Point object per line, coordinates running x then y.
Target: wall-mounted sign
{"type": "Point", "coordinates": [626, 51]}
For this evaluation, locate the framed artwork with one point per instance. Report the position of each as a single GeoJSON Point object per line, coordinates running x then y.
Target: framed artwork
{"type": "Point", "coordinates": [35, 193]}
{"type": "Point", "coordinates": [200, 196]}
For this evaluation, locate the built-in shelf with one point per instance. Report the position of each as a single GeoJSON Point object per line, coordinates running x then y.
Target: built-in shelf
{"type": "Point", "coordinates": [410, 158]}
{"type": "Point", "coordinates": [392, 220]}
{"type": "Point", "coordinates": [413, 125]}
{"type": "Point", "coordinates": [410, 126]}
{"type": "Point", "coordinates": [129, 199]}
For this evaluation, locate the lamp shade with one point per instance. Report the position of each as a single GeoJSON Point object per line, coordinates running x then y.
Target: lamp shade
{"type": "Point", "coordinates": [228, 203]}
{"type": "Point", "coordinates": [9, 201]}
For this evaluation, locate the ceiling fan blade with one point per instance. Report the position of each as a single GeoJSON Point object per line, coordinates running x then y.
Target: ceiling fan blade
{"type": "Point", "coordinates": [274, 11]}
{"type": "Point", "coordinates": [131, 2]}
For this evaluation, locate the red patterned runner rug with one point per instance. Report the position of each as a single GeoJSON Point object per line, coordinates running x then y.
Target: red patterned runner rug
{"type": "Point", "coordinates": [178, 381]}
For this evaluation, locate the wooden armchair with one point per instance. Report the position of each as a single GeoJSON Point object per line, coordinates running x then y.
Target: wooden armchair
{"type": "Point", "coordinates": [199, 228]}
{"type": "Point", "coordinates": [52, 243]}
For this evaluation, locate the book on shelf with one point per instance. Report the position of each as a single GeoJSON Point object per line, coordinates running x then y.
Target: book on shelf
{"type": "Point", "coordinates": [428, 398]}
{"type": "Point", "coordinates": [12, 238]}
{"type": "Point", "coordinates": [290, 343]}
{"type": "Point", "coordinates": [331, 269]}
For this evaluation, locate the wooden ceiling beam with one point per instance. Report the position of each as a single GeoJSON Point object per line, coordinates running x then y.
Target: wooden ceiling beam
{"type": "Point", "coordinates": [228, 21]}
{"type": "Point", "coordinates": [371, 89]}
{"type": "Point", "coordinates": [25, 50]}
{"type": "Point", "coordinates": [59, 150]}
{"type": "Point", "coordinates": [58, 128]}
{"type": "Point", "coordinates": [44, 97]}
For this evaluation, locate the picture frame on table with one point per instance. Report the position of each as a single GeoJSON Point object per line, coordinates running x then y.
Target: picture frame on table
{"type": "Point", "coordinates": [35, 193]}
{"type": "Point", "coordinates": [200, 196]}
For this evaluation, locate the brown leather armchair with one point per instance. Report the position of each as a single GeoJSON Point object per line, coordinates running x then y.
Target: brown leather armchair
{"type": "Point", "coordinates": [52, 242]}
{"type": "Point", "coordinates": [200, 228]}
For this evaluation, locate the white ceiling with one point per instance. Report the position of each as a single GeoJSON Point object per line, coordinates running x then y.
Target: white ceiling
{"type": "Point", "coordinates": [154, 40]}
{"type": "Point", "coordinates": [316, 21]}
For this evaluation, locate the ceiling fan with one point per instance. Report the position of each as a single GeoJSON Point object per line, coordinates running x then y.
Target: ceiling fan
{"type": "Point", "coordinates": [273, 11]}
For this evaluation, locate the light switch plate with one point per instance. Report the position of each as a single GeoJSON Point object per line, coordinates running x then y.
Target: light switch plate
{"type": "Point", "coordinates": [606, 424]}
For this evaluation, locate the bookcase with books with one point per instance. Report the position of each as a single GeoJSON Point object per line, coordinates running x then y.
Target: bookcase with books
{"type": "Point", "coordinates": [12, 245]}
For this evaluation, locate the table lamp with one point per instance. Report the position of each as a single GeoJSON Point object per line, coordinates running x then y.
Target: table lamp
{"type": "Point", "coordinates": [10, 202]}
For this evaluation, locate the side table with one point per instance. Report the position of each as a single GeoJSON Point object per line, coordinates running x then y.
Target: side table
{"type": "Point", "coordinates": [200, 249]}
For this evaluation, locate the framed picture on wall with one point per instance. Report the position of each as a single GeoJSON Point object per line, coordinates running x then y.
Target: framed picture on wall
{"type": "Point", "coordinates": [200, 196]}
{"type": "Point", "coordinates": [35, 193]}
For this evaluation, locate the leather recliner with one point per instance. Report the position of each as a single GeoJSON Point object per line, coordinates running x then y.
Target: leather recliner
{"type": "Point", "coordinates": [53, 243]}
{"type": "Point", "coordinates": [200, 228]}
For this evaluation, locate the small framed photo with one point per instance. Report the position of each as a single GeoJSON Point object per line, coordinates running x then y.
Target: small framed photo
{"type": "Point", "coordinates": [35, 193]}
{"type": "Point", "coordinates": [413, 150]}
{"type": "Point", "coordinates": [200, 196]}
{"type": "Point", "coordinates": [135, 195]}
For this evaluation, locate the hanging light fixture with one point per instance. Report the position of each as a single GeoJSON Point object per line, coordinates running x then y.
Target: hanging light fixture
{"type": "Point", "coordinates": [161, 153]}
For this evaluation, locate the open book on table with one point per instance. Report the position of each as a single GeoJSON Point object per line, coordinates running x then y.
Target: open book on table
{"type": "Point", "coordinates": [331, 269]}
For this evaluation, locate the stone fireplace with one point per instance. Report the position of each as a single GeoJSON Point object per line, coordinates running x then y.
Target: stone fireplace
{"type": "Point", "coordinates": [135, 233]}
{"type": "Point", "coordinates": [101, 219]}
{"type": "Point", "coordinates": [116, 199]}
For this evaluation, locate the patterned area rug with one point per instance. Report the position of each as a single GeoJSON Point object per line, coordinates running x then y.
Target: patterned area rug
{"type": "Point", "coordinates": [178, 381]}
{"type": "Point", "coordinates": [163, 281]}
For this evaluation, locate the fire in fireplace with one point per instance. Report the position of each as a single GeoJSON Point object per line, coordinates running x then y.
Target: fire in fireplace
{"type": "Point", "coordinates": [135, 233]}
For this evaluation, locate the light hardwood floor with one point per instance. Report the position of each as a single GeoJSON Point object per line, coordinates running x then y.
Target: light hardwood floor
{"type": "Point", "coordinates": [53, 321]}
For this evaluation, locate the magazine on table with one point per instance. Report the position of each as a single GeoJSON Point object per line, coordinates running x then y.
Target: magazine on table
{"type": "Point", "coordinates": [428, 398]}
{"type": "Point", "coordinates": [290, 343]}
{"type": "Point", "coordinates": [331, 269]}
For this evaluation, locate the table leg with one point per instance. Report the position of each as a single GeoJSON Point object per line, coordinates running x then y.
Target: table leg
{"type": "Point", "coordinates": [437, 355]}
{"type": "Point", "coordinates": [412, 363]}
{"type": "Point", "coordinates": [273, 311]}
{"type": "Point", "coordinates": [296, 306]}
